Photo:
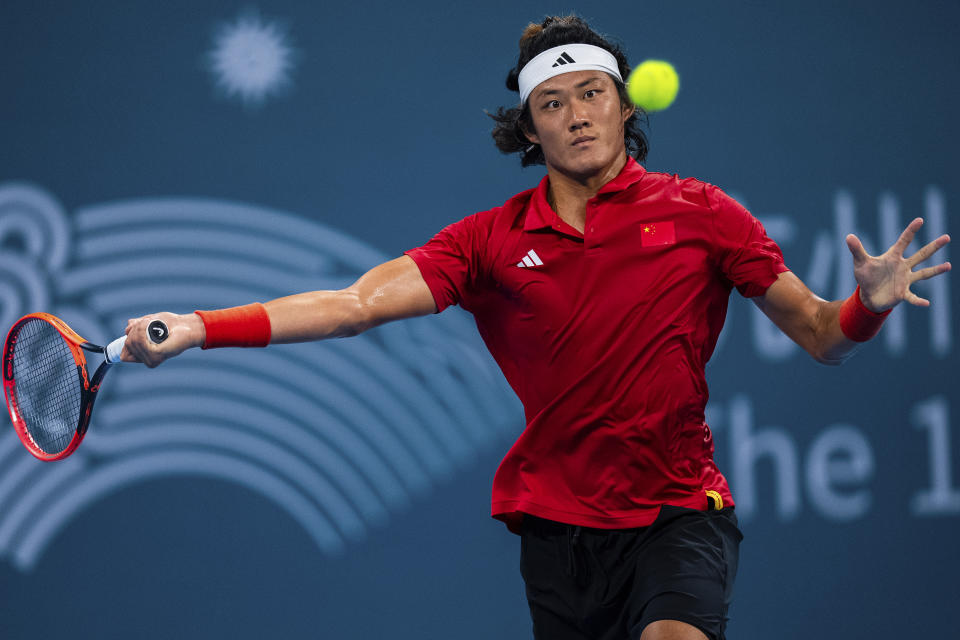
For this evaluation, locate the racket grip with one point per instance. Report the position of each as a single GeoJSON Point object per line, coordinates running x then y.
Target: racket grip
{"type": "Point", "coordinates": [112, 353]}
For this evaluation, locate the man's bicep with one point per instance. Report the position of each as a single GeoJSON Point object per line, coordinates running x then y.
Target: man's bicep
{"type": "Point", "coordinates": [392, 291]}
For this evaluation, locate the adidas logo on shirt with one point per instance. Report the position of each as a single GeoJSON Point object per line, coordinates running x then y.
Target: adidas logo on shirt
{"type": "Point", "coordinates": [563, 59]}
{"type": "Point", "coordinates": [530, 260]}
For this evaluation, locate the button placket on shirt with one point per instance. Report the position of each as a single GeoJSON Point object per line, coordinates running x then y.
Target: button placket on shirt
{"type": "Point", "coordinates": [590, 240]}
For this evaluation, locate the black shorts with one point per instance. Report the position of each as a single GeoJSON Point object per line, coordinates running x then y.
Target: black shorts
{"type": "Point", "coordinates": [606, 584]}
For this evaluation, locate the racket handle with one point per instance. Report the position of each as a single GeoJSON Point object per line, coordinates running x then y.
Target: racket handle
{"type": "Point", "coordinates": [112, 352]}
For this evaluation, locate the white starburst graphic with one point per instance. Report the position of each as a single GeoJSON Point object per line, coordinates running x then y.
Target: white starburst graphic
{"type": "Point", "coordinates": [251, 59]}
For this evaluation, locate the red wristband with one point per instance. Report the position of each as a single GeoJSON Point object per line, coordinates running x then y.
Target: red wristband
{"type": "Point", "coordinates": [246, 326]}
{"type": "Point", "coordinates": [857, 322]}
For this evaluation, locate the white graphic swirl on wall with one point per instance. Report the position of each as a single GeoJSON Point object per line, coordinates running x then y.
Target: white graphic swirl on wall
{"type": "Point", "coordinates": [339, 434]}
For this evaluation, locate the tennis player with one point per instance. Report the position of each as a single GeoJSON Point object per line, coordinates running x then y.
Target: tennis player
{"type": "Point", "coordinates": [601, 294]}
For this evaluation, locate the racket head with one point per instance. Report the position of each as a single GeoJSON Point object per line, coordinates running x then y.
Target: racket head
{"type": "Point", "coordinates": [45, 382]}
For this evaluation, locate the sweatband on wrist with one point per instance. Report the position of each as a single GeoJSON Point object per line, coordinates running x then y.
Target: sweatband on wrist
{"type": "Point", "coordinates": [857, 322]}
{"type": "Point", "coordinates": [246, 326]}
{"type": "Point", "coordinates": [565, 59]}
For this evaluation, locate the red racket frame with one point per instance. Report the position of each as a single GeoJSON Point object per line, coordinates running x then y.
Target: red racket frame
{"type": "Point", "coordinates": [77, 346]}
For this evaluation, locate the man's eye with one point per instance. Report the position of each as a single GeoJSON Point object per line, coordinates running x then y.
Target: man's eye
{"type": "Point", "coordinates": [553, 104]}
{"type": "Point", "coordinates": [591, 93]}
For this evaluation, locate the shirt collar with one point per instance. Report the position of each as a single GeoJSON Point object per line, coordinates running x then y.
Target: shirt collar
{"type": "Point", "coordinates": [541, 216]}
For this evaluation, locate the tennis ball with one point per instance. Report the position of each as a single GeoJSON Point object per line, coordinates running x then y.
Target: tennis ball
{"type": "Point", "coordinates": [653, 85]}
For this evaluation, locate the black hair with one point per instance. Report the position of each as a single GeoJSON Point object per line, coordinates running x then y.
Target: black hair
{"type": "Point", "coordinates": [537, 38]}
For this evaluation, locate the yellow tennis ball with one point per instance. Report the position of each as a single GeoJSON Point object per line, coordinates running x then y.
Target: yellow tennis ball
{"type": "Point", "coordinates": [653, 85]}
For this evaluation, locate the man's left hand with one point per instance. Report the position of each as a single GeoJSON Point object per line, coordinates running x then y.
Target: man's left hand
{"type": "Point", "coordinates": [885, 279]}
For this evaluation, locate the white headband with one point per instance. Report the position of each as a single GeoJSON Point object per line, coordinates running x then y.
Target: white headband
{"type": "Point", "coordinates": [565, 59]}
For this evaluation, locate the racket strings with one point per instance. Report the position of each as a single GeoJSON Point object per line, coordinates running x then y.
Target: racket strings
{"type": "Point", "coordinates": [48, 387]}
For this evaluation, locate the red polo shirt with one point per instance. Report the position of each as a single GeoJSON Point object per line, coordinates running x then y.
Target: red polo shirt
{"type": "Point", "coordinates": [604, 337]}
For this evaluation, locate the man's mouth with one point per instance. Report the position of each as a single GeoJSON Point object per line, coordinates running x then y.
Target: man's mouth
{"type": "Point", "coordinates": [583, 139]}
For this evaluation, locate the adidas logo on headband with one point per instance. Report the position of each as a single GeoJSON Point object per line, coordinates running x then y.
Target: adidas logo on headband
{"type": "Point", "coordinates": [563, 59]}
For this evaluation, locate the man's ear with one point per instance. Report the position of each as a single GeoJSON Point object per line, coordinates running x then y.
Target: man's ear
{"type": "Point", "coordinates": [530, 135]}
{"type": "Point", "coordinates": [628, 110]}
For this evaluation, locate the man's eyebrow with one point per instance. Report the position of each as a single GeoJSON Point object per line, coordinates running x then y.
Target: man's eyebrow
{"type": "Point", "coordinates": [549, 92]}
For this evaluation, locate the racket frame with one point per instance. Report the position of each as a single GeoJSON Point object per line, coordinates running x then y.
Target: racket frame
{"type": "Point", "coordinates": [90, 386]}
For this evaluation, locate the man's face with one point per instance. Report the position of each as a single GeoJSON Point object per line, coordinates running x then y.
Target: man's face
{"type": "Point", "coordinates": [578, 122]}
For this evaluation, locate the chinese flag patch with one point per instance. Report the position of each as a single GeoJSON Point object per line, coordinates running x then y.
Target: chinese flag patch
{"type": "Point", "coordinates": [654, 234]}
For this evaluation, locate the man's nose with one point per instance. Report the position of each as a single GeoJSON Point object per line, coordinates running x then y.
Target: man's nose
{"type": "Point", "coordinates": [578, 120]}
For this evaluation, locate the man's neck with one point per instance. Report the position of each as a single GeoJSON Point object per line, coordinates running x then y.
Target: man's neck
{"type": "Point", "coordinates": [568, 194]}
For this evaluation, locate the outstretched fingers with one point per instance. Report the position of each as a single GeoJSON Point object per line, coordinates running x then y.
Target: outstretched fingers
{"type": "Point", "coordinates": [928, 272]}
{"type": "Point", "coordinates": [860, 254]}
{"type": "Point", "coordinates": [928, 250]}
{"type": "Point", "coordinates": [924, 274]}
{"type": "Point", "coordinates": [915, 300]}
{"type": "Point", "coordinates": [900, 246]}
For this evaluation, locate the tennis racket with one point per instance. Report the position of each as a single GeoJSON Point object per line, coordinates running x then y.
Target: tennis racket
{"type": "Point", "coordinates": [49, 395]}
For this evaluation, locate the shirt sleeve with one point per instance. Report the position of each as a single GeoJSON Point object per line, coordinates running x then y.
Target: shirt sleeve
{"type": "Point", "coordinates": [745, 254]}
{"type": "Point", "coordinates": [450, 262]}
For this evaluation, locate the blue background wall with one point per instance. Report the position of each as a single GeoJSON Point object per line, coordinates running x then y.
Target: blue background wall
{"type": "Point", "coordinates": [345, 494]}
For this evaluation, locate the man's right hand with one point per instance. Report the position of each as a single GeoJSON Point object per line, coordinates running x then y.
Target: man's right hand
{"type": "Point", "coordinates": [186, 331]}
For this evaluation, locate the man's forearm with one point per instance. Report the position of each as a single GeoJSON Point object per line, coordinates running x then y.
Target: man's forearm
{"type": "Point", "coordinates": [842, 326]}
{"type": "Point", "coordinates": [316, 315]}
{"type": "Point", "coordinates": [830, 345]}
{"type": "Point", "coordinates": [812, 322]}
{"type": "Point", "coordinates": [390, 291]}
